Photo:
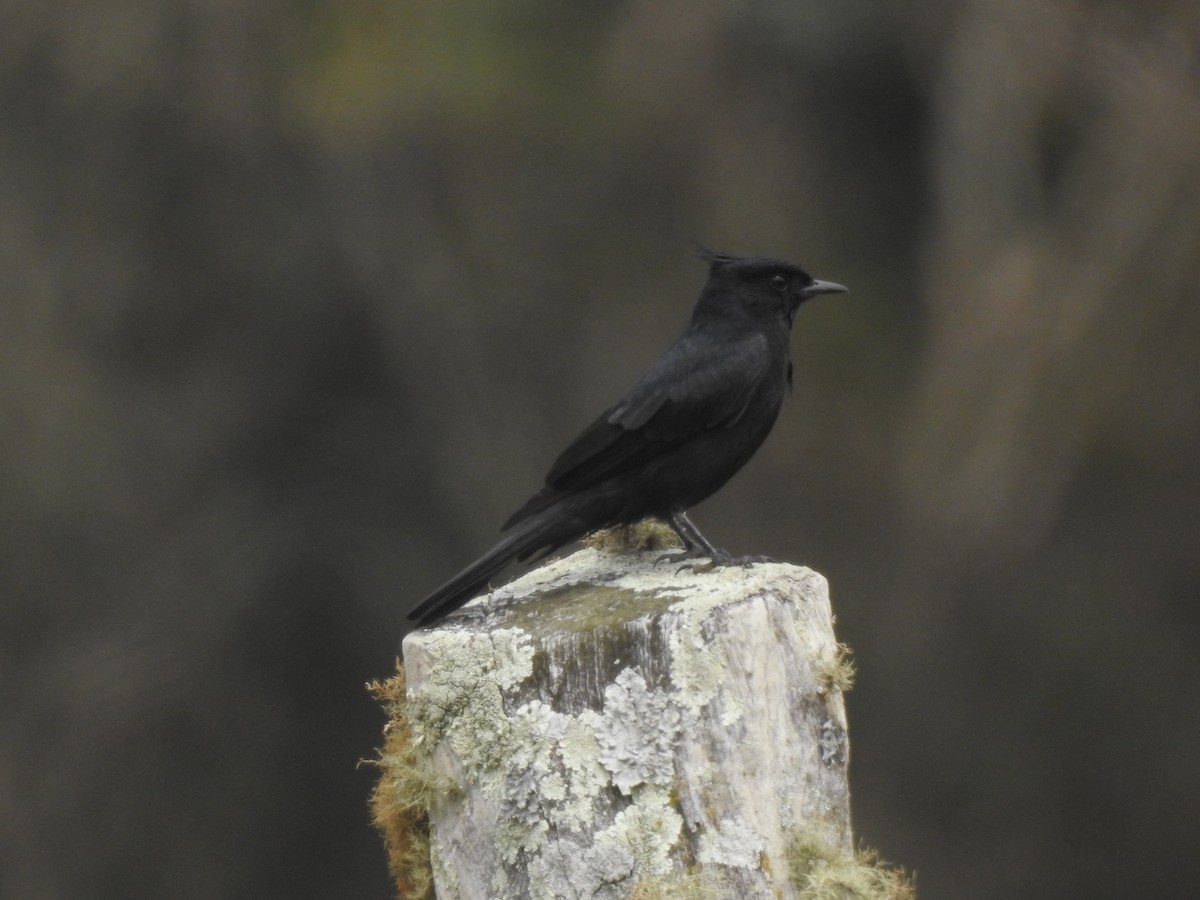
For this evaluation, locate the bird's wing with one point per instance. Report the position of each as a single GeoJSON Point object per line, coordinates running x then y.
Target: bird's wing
{"type": "Point", "coordinates": [700, 384]}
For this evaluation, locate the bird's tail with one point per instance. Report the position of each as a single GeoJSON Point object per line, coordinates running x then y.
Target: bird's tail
{"type": "Point", "coordinates": [533, 536]}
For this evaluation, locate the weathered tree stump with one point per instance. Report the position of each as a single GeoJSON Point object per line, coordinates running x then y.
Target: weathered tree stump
{"type": "Point", "coordinates": [606, 728]}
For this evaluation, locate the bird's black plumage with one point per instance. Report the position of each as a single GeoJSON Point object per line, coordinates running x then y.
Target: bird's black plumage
{"type": "Point", "coordinates": [680, 433]}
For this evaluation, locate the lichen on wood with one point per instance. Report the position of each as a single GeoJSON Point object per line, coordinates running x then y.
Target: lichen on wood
{"type": "Point", "coordinates": [614, 729]}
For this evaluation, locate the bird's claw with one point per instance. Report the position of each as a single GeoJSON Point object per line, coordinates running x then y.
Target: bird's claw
{"type": "Point", "coordinates": [675, 557]}
{"type": "Point", "coordinates": [713, 560]}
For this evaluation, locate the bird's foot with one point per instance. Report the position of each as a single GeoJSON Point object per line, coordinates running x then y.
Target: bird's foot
{"type": "Point", "coordinates": [715, 559]}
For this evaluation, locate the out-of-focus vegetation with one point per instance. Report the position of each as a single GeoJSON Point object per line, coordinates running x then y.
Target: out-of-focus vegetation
{"type": "Point", "coordinates": [299, 300]}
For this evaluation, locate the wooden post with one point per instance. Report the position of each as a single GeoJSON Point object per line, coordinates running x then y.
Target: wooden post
{"type": "Point", "coordinates": [607, 728]}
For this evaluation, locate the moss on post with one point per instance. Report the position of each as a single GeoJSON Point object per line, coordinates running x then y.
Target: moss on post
{"type": "Point", "coordinates": [401, 799]}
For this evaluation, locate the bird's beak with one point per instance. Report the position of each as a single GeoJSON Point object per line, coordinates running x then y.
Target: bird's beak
{"type": "Point", "coordinates": [822, 287]}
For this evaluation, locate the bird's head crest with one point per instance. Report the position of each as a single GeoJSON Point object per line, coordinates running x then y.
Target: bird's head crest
{"type": "Point", "coordinates": [715, 258]}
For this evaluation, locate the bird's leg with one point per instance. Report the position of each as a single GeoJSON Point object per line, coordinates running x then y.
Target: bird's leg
{"type": "Point", "coordinates": [695, 545]}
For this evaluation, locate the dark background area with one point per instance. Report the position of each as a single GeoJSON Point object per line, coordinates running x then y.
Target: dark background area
{"type": "Point", "coordinates": [298, 300]}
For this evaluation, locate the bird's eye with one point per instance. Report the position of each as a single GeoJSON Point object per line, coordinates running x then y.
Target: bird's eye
{"type": "Point", "coordinates": [779, 282]}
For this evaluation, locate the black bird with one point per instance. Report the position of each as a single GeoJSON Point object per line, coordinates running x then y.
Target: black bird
{"type": "Point", "coordinates": [683, 430]}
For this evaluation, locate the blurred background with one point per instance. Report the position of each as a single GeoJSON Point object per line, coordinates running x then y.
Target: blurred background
{"type": "Point", "coordinates": [298, 300]}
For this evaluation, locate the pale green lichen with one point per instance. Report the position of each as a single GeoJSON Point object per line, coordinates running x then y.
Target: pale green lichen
{"type": "Point", "coordinates": [548, 781]}
{"type": "Point", "coordinates": [732, 843]}
{"type": "Point", "coordinates": [513, 657]}
{"type": "Point", "coordinates": [648, 829]}
{"type": "Point", "coordinates": [585, 776]}
{"type": "Point", "coordinates": [500, 882]}
{"type": "Point", "coordinates": [515, 837]}
{"type": "Point", "coordinates": [832, 741]}
{"type": "Point", "coordinates": [528, 767]}
{"type": "Point", "coordinates": [447, 875]}
{"type": "Point", "coordinates": [698, 666]}
{"type": "Point", "coordinates": [554, 787]}
{"type": "Point", "coordinates": [463, 703]}
{"type": "Point", "coordinates": [569, 868]}
{"type": "Point", "coordinates": [482, 737]}
{"type": "Point", "coordinates": [636, 732]}
{"type": "Point", "coordinates": [472, 671]}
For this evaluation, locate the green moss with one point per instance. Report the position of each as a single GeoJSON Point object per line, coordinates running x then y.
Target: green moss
{"type": "Point", "coordinates": [400, 801]}
{"type": "Point", "coordinates": [580, 608]}
{"type": "Point", "coordinates": [822, 871]}
{"type": "Point", "coordinates": [646, 536]}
